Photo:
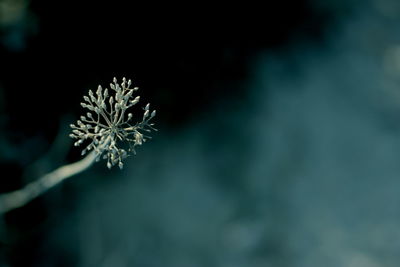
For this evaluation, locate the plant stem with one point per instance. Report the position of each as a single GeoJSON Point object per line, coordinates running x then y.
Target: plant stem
{"type": "Point", "coordinates": [18, 198]}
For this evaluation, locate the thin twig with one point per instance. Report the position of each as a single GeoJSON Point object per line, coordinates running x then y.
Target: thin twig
{"type": "Point", "coordinates": [18, 198]}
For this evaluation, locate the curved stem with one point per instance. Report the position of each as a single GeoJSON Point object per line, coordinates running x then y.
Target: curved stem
{"type": "Point", "coordinates": [18, 198]}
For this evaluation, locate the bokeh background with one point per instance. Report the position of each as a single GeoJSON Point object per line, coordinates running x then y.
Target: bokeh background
{"type": "Point", "coordinates": [278, 142]}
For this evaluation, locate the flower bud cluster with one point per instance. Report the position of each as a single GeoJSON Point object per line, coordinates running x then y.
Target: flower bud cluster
{"type": "Point", "coordinates": [107, 124]}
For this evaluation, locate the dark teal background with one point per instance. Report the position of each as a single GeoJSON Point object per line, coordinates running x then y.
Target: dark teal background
{"type": "Point", "coordinates": [278, 140]}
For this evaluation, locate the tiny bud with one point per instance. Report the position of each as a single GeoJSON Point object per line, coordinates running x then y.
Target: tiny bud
{"type": "Point", "coordinates": [135, 88]}
{"type": "Point", "coordinates": [109, 165]}
{"type": "Point", "coordinates": [147, 106]}
{"type": "Point", "coordinates": [111, 100]}
{"type": "Point", "coordinates": [120, 165]}
{"type": "Point", "coordinates": [146, 113]}
{"type": "Point", "coordinates": [92, 96]}
{"type": "Point", "coordinates": [115, 80]}
{"type": "Point", "coordinates": [98, 92]}
{"type": "Point", "coordinates": [89, 115]}
{"type": "Point", "coordinates": [138, 138]}
{"type": "Point", "coordinates": [86, 98]}
{"type": "Point", "coordinates": [118, 96]}
{"type": "Point", "coordinates": [136, 100]}
{"type": "Point", "coordinates": [153, 113]}
{"type": "Point", "coordinates": [129, 94]}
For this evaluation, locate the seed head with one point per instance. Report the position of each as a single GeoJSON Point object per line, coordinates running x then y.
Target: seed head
{"type": "Point", "coordinates": [109, 128]}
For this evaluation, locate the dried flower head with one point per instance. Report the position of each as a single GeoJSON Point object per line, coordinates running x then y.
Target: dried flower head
{"type": "Point", "coordinates": [107, 124]}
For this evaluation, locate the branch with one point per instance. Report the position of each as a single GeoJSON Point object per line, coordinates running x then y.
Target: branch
{"type": "Point", "coordinates": [18, 198]}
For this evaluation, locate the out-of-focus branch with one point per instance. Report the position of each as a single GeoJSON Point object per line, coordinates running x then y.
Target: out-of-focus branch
{"type": "Point", "coordinates": [57, 152]}
{"type": "Point", "coordinates": [18, 198]}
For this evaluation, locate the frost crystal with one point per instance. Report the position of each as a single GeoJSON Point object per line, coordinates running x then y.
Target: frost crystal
{"type": "Point", "coordinates": [106, 125]}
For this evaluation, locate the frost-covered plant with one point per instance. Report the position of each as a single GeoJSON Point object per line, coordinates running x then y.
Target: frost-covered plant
{"type": "Point", "coordinates": [107, 123]}
{"type": "Point", "coordinates": [104, 130]}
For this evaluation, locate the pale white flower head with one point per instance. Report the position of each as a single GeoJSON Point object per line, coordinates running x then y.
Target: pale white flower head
{"type": "Point", "coordinates": [107, 125]}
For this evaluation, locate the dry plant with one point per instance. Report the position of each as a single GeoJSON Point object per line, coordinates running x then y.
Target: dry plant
{"type": "Point", "coordinates": [104, 130]}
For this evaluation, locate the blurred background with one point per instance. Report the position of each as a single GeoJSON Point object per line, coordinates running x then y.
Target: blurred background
{"type": "Point", "coordinates": [278, 142]}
